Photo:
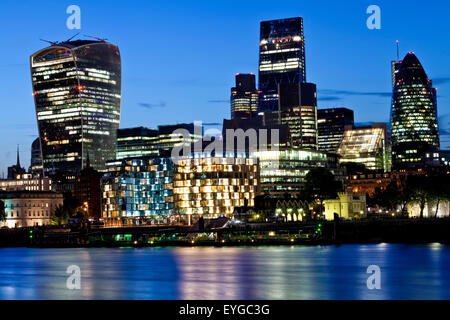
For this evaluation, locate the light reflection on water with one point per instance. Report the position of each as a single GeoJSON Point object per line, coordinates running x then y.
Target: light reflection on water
{"type": "Point", "coordinates": [298, 272]}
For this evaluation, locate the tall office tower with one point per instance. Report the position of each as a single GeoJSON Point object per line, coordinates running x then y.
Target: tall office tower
{"type": "Point", "coordinates": [297, 108]}
{"type": "Point", "coordinates": [137, 142]}
{"type": "Point", "coordinates": [244, 97]}
{"type": "Point", "coordinates": [365, 145]}
{"type": "Point", "coordinates": [281, 58]}
{"type": "Point", "coordinates": [414, 114]}
{"type": "Point", "coordinates": [332, 123]}
{"type": "Point", "coordinates": [77, 92]}
{"type": "Point", "coordinates": [36, 158]}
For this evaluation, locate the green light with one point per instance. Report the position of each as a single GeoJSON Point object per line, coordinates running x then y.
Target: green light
{"type": "Point", "coordinates": [320, 225]}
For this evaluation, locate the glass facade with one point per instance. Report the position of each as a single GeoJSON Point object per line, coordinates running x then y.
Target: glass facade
{"type": "Point", "coordinates": [298, 111]}
{"type": "Point", "coordinates": [214, 186]}
{"type": "Point", "coordinates": [138, 188]}
{"type": "Point", "coordinates": [209, 186]}
{"type": "Point", "coordinates": [77, 93]}
{"type": "Point", "coordinates": [244, 97]}
{"type": "Point", "coordinates": [284, 171]}
{"type": "Point", "coordinates": [168, 139]}
{"type": "Point", "coordinates": [331, 124]}
{"type": "Point", "coordinates": [137, 142]}
{"type": "Point", "coordinates": [281, 59]}
{"type": "Point", "coordinates": [367, 146]}
{"type": "Point", "coordinates": [414, 113]}
{"type": "Point", "coordinates": [36, 158]}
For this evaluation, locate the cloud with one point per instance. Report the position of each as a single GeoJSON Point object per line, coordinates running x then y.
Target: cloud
{"type": "Point", "coordinates": [329, 98]}
{"type": "Point", "coordinates": [152, 105]}
{"type": "Point", "coordinates": [219, 101]}
{"type": "Point", "coordinates": [335, 93]}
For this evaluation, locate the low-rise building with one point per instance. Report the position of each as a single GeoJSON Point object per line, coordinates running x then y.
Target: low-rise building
{"type": "Point", "coordinates": [29, 208]}
{"type": "Point", "coordinates": [26, 182]}
{"type": "Point", "coordinates": [348, 205]}
{"type": "Point", "coordinates": [367, 146]}
{"type": "Point", "coordinates": [368, 182]}
{"type": "Point", "coordinates": [284, 171]}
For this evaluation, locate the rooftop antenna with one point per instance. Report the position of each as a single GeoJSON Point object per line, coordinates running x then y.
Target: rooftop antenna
{"type": "Point", "coordinates": [53, 43]}
{"type": "Point", "coordinates": [398, 51]}
{"type": "Point", "coordinates": [99, 39]}
{"type": "Point", "coordinates": [72, 37]}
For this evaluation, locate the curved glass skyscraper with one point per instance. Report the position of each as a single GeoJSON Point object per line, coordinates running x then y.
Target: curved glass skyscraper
{"type": "Point", "coordinates": [77, 92]}
{"type": "Point", "coordinates": [414, 113]}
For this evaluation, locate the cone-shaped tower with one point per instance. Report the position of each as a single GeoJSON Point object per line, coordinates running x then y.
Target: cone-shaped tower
{"type": "Point", "coordinates": [414, 114]}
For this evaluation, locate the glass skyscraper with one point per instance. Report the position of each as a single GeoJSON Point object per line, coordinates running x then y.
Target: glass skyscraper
{"type": "Point", "coordinates": [244, 97]}
{"type": "Point", "coordinates": [414, 113]}
{"type": "Point", "coordinates": [281, 58]}
{"type": "Point", "coordinates": [297, 109]}
{"type": "Point", "coordinates": [77, 93]}
{"type": "Point", "coordinates": [332, 123]}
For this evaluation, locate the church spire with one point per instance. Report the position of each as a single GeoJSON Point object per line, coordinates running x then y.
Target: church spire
{"type": "Point", "coordinates": [18, 157]}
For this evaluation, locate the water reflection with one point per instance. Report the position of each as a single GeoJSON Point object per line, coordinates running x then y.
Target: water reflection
{"type": "Point", "coordinates": [329, 272]}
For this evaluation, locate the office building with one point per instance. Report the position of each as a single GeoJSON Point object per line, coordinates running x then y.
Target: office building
{"type": "Point", "coordinates": [138, 188]}
{"type": "Point", "coordinates": [137, 142]}
{"type": "Point", "coordinates": [281, 59]}
{"type": "Point", "coordinates": [214, 186]}
{"type": "Point", "coordinates": [157, 189]}
{"type": "Point", "coordinates": [284, 171]}
{"type": "Point", "coordinates": [436, 158]}
{"type": "Point", "coordinates": [77, 93]}
{"type": "Point", "coordinates": [87, 191]}
{"type": "Point", "coordinates": [365, 145]}
{"type": "Point", "coordinates": [244, 97]}
{"type": "Point", "coordinates": [36, 167]}
{"type": "Point", "coordinates": [414, 123]}
{"type": "Point", "coordinates": [331, 124]}
{"type": "Point", "coordinates": [298, 111]}
{"type": "Point", "coordinates": [26, 182]}
{"type": "Point", "coordinates": [170, 136]}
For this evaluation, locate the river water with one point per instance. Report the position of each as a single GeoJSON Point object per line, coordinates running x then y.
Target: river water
{"type": "Point", "coordinates": [297, 272]}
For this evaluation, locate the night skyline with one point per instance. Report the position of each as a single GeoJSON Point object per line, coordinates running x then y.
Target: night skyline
{"type": "Point", "coordinates": [200, 66]}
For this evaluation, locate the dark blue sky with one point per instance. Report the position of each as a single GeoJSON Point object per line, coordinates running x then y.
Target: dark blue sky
{"type": "Point", "coordinates": [179, 57]}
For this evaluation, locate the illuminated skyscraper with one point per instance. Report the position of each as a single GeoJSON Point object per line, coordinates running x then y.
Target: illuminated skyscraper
{"type": "Point", "coordinates": [36, 158]}
{"type": "Point", "coordinates": [77, 92]}
{"type": "Point", "coordinates": [244, 97]}
{"type": "Point", "coordinates": [332, 123]}
{"type": "Point", "coordinates": [414, 113]}
{"type": "Point", "coordinates": [297, 109]}
{"type": "Point", "coordinates": [281, 58]}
